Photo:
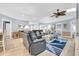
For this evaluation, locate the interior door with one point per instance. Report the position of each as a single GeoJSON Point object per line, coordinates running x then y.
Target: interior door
{"type": "Point", "coordinates": [6, 32]}
{"type": "Point", "coordinates": [6, 28]}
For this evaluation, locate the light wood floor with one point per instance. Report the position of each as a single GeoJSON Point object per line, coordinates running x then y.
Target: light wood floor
{"type": "Point", "coordinates": [69, 49]}
{"type": "Point", "coordinates": [15, 48]}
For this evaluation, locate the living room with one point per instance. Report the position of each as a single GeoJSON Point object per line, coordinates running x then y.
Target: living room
{"type": "Point", "coordinates": [40, 29]}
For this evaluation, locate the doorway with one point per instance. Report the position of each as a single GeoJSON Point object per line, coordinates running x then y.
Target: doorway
{"type": "Point", "coordinates": [6, 33]}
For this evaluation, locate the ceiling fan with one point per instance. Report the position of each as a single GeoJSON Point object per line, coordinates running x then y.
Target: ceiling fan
{"type": "Point", "coordinates": [59, 13]}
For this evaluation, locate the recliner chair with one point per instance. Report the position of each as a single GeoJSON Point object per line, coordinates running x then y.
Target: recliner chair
{"type": "Point", "coordinates": [36, 44]}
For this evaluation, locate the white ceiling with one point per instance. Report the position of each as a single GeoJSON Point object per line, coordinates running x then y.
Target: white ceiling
{"type": "Point", "coordinates": [32, 11]}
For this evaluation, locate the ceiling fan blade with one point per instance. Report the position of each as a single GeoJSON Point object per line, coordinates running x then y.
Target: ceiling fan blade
{"type": "Point", "coordinates": [63, 12]}
{"type": "Point", "coordinates": [54, 13]}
